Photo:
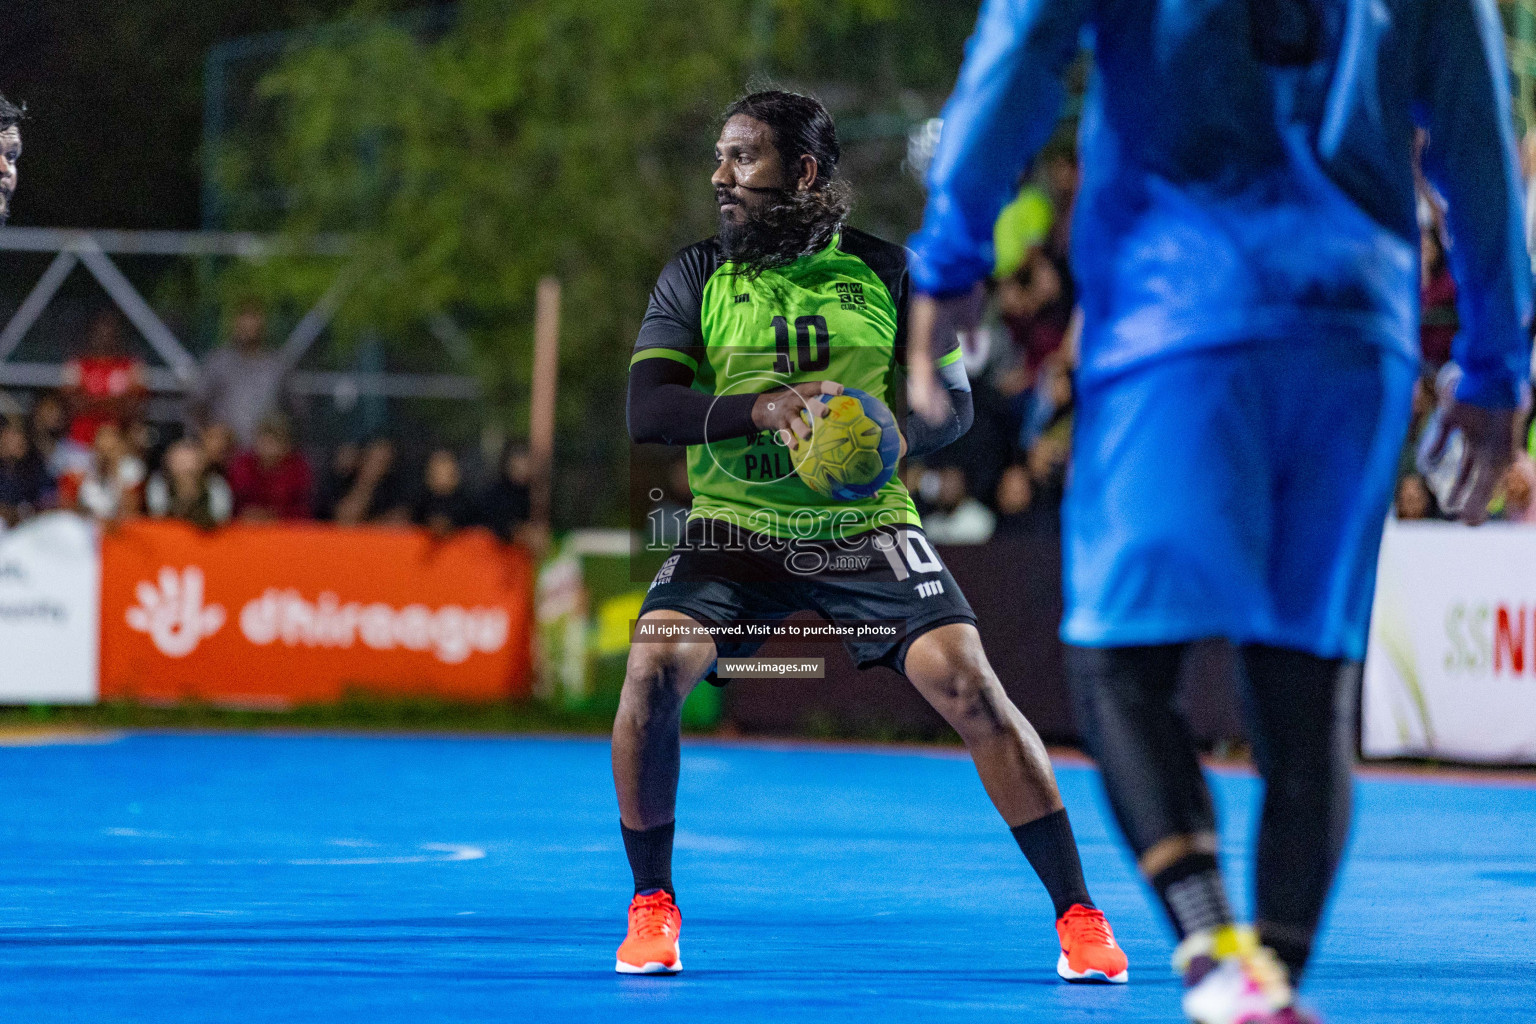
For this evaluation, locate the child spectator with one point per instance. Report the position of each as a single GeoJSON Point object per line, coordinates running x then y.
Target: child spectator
{"type": "Point", "coordinates": [271, 481]}
{"type": "Point", "coordinates": [443, 505]}
{"type": "Point", "coordinates": [25, 487]}
{"type": "Point", "coordinates": [184, 488]}
{"type": "Point", "coordinates": [113, 487]}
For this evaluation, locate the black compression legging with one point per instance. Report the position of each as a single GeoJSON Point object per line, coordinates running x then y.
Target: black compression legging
{"type": "Point", "coordinates": [1300, 711]}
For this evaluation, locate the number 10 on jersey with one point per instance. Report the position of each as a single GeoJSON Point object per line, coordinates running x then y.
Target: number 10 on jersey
{"type": "Point", "coordinates": [806, 359]}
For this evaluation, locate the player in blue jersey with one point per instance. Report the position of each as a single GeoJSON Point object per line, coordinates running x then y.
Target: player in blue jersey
{"type": "Point", "coordinates": [1246, 252]}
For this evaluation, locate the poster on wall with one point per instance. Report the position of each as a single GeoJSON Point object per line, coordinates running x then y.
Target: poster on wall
{"type": "Point", "coordinates": [50, 599]}
{"type": "Point", "coordinates": [1451, 670]}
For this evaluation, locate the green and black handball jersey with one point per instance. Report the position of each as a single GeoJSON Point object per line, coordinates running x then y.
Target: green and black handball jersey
{"type": "Point", "coordinates": [839, 314]}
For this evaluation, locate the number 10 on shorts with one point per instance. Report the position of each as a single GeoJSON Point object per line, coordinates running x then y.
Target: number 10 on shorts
{"type": "Point", "coordinates": [919, 554]}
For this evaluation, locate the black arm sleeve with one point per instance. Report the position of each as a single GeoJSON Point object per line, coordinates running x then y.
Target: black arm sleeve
{"type": "Point", "coordinates": [923, 439]}
{"type": "Point", "coordinates": [665, 409]}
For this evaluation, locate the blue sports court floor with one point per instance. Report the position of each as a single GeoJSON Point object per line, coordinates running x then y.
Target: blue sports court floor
{"type": "Point", "coordinates": [173, 878]}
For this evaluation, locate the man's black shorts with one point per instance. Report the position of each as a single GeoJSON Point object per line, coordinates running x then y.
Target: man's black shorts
{"type": "Point", "coordinates": [721, 574]}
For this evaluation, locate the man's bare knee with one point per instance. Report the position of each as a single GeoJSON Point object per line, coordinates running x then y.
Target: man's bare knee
{"type": "Point", "coordinates": [658, 678]}
{"type": "Point", "coordinates": [973, 701]}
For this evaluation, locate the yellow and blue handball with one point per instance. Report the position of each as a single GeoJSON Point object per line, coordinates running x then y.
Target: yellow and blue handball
{"type": "Point", "coordinates": [853, 450]}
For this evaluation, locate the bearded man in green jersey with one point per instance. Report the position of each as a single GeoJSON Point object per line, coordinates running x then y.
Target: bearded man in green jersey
{"type": "Point", "coordinates": [786, 304]}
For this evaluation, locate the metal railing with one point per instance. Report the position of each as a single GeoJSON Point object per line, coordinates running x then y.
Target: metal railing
{"type": "Point", "coordinates": [94, 250]}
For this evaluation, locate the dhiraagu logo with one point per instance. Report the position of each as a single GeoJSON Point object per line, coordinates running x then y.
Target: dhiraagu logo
{"type": "Point", "coordinates": [1497, 639]}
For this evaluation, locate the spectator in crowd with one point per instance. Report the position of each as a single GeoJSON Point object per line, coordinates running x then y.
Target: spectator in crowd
{"type": "Point", "coordinates": [112, 488]}
{"type": "Point", "coordinates": [340, 474]}
{"type": "Point", "coordinates": [1032, 304]}
{"type": "Point", "coordinates": [49, 434]}
{"type": "Point", "coordinates": [241, 383]}
{"type": "Point", "coordinates": [1049, 403]}
{"type": "Point", "coordinates": [957, 517]}
{"type": "Point", "coordinates": [185, 488]}
{"type": "Point", "coordinates": [1519, 487]}
{"type": "Point", "coordinates": [25, 487]}
{"type": "Point", "coordinates": [1438, 321]}
{"type": "Point", "coordinates": [376, 494]}
{"type": "Point", "coordinates": [444, 504]}
{"type": "Point", "coordinates": [272, 480]}
{"type": "Point", "coordinates": [218, 444]}
{"type": "Point", "coordinates": [1047, 462]}
{"type": "Point", "coordinates": [1414, 499]}
{"type": "Point", "coordinates": [506, 505]}
{"type": "Point", "coordinates": [105, 384]}
{"type": "Point", "coordinates": [1018, 512]}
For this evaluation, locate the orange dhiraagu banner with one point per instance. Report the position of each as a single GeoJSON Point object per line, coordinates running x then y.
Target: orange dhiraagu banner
{"type": "Point", "coordinates": [294, 614]}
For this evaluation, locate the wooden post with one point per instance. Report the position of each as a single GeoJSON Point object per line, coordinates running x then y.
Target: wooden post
{"type": "Point", "coordinates": [546, 382]}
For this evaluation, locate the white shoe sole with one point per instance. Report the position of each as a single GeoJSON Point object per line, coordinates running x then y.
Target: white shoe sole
{"type": "Point", "coordinates": [1089, 977]}
{"type": "Point", "coordinates": [653, 967]}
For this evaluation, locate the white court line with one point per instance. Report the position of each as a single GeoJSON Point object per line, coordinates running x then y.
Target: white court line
{"type": "Point", "coordinates": [438, 853]}
{"type": "Point", "coordinates": [57, 738]}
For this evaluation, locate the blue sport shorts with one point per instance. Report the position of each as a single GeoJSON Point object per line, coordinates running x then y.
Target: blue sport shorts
{"type": "Point", "coordinates": [1237, 492]}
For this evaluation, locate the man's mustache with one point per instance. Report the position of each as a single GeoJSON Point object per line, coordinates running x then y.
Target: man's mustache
{"type": "Point", "coordinates": [723, 195]}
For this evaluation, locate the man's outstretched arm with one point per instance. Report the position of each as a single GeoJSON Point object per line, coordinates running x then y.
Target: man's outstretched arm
{"type": "Point", "coordinates": [1471, 160]}
{"type": "Point", "coordinates": [1003, 110]}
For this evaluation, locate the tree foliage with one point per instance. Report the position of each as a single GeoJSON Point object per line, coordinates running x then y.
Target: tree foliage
{"type": "Point", "coordinates": [565, 137]}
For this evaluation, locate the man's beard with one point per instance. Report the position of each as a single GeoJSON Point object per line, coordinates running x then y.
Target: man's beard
{"type": "Point", "coordinates": [788, 225]}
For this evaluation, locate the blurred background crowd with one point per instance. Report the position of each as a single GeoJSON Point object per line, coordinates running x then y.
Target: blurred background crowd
{"type": "Point", "coordinates": [236, 452]}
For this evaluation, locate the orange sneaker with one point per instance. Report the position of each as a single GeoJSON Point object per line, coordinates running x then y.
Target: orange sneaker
{"type": "Point", "coordinates": [652, 947]}
{"type": "Point", "coordinates": [1088, 949]}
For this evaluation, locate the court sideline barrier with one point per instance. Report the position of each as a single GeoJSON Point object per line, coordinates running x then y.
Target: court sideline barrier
{"type": "Point", "coordinates": [50, 586]}
{"type": "Point", "coordinates": [1451, 670]}
{"type": "Point", "coordinates": [301, 613]}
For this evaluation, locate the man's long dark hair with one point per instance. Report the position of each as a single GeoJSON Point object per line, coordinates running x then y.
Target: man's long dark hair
{"type": "Point", "coordinates": [11, 114]}
{"type": "Point", "coordinates": [790, 223]}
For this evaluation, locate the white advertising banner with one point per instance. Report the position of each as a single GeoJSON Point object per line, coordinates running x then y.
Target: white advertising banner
{"type": "Point", "coordinates": [1451, 670]}
{"type": "Point", "coordinates": [50, 612]}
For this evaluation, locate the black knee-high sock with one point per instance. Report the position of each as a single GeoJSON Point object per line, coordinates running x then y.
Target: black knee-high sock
{"type": "Point", "coordinates": [1052, 851]}
{"type": "Point", "coordinates": [650, 856]}
{"type": "Point", "coordinates": [1301, 713]}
